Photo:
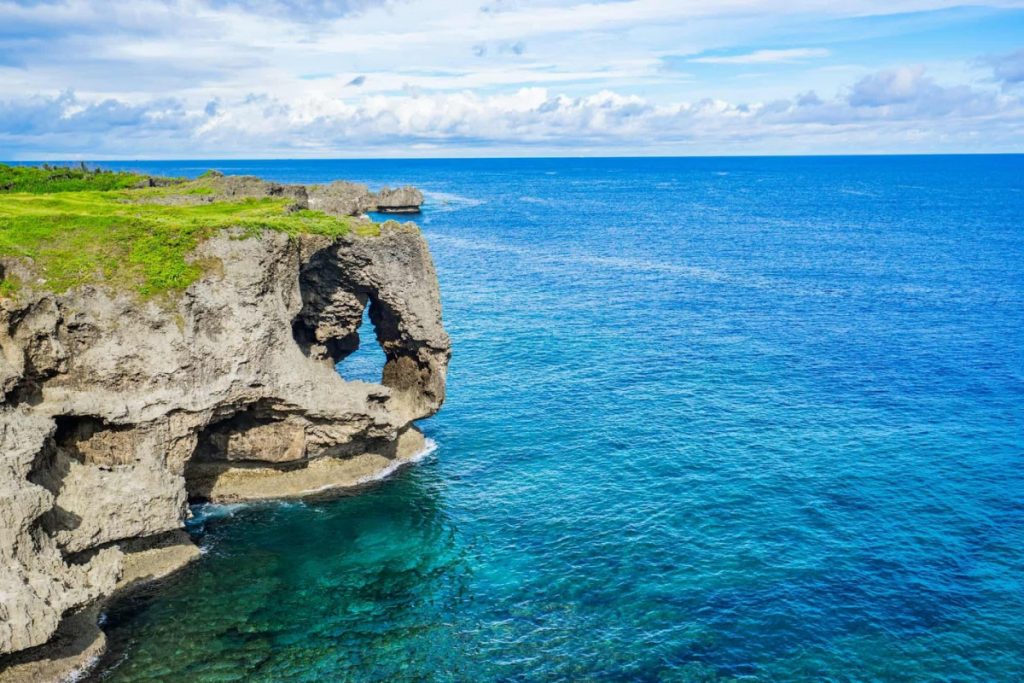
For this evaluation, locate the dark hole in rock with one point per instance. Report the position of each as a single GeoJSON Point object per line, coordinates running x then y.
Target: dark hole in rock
{"type": "Point", "coordinates": [93, 441]}
{"type": "Point", "coordinates": [257, 433]}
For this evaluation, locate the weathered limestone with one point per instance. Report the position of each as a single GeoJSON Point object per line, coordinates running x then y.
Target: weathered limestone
{"type": "Point", "coordinates": [343, 198]}
{"type": "Point", "coordinates": [37, 584]}
{"type": "Point", "coordinates": [399, 200]}
{"type": "Point", "coordinates": [115, 412]}
{"type": "Point", "coordinates": [79, 641]}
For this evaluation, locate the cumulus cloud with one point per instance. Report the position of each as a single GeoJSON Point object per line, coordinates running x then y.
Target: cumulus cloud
{"type": "Point", "coordinates": [911, 92]}
{"type": "Point", "coordinates": [66, 113]}
{"type": "Point", "coordinates": [891, 87]}
{"type": "Point", "coordinates": [65, 125]}
{"type": "Point", "coordinates": [887, 107]}
{"type": "Point", "coordinates": [1009, 69]}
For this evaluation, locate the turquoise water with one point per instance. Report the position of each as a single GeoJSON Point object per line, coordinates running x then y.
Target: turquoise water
{"type": "Point", "coordinates": [708, 419]}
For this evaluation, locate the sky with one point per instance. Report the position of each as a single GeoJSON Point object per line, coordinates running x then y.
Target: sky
{"type": "Point", "coordinates": [90, 79]}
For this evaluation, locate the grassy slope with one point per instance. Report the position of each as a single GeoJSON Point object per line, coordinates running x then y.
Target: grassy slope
{"type": "Point", "coordinates": [80, 227]}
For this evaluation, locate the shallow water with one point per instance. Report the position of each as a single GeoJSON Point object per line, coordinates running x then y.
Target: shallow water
{"type": "Point", "coordinates": [708, 419]}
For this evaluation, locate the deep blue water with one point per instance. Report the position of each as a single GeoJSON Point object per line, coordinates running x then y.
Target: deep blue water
{"type": "Point", "coordinates": [708, 419]}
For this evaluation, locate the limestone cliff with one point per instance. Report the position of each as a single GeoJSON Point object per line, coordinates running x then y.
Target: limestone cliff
{"type": "Point", "coordinates": [116, 411]}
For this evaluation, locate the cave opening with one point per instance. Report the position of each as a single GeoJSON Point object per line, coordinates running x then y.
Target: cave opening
{"type": "Point", "coordinates": [366, 362]}
{"type": "Point", "coordinates": [259, 434]}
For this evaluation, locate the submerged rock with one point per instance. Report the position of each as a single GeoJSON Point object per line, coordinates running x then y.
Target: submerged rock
{"type": "Point", "coordinates": [116, 411]}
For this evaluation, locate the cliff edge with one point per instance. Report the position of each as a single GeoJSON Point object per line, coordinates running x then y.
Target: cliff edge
{"type": "Point", "coordinates": [119, 405]}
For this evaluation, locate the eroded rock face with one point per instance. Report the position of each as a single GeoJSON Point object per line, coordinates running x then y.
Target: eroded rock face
{"type": "Point", "coordinates": [116, 411]}
{"type": "Point", "coordinates": [37, 583]}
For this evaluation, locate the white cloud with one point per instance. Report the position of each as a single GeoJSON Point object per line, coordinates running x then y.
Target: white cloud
{"type": "Point", "coordinates": [896, 86]}
{"type": "Point", "coordinates": [765, 56]}
{"type": "Point", "coordinates": [334, 76]}
{"type": "Point", "coordinates": [1008, 69]}
{"type": "Point", "coordinates": [909, 91]}
{"type": "Point", "coordinates": [236, 45]}
{"type": "Point", "coordinates": [904, 109]}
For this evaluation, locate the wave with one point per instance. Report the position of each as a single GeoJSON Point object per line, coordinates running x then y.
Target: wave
{"type": "Point", "coordinates": [429, 447]}
{"type": "Point", "coordinates": [204, 512]}
{"type": "Point", "coordinates": [83, 670]}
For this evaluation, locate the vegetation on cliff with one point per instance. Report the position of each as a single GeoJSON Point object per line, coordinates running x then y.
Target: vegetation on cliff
{"type": "Point", "coordinates": [75, 226]}
{"type": "Point", "coordinates": [47, 179]}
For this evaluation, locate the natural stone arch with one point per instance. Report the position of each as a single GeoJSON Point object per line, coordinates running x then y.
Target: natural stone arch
{"type": "Point", "coordinates": [337, 284]}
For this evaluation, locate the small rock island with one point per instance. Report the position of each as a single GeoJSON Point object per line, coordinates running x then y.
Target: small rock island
{"type": "Point", "coordinates": [169, 340]}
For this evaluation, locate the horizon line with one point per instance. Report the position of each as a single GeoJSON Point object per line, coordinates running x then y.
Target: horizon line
{"type": "Point", "coordinates": [78, 159]}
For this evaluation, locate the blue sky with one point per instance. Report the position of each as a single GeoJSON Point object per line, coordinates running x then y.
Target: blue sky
{"type": "Point", "coordinates": [382, 78]}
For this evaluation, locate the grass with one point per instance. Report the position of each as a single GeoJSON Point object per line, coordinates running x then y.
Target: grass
{"type": "Point", "coordinates": [48, 179]}
{"type": "Point", "coordinates": [129, 238]}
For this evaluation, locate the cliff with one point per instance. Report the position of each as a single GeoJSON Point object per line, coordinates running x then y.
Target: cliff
{"type": "Point", "coordinates": [119, 405]}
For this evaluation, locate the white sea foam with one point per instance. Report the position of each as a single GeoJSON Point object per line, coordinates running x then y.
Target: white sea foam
{"type": "Point", "coordinates": [207, 511]}
{"type": "Point", "coordinates": [80, 672]}
{"type": "Point", "coordinates": [429, 447]}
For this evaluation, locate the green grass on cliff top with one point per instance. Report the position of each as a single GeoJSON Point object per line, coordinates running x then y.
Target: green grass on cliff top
{"type": "Point", "coordinates": [76, 227]}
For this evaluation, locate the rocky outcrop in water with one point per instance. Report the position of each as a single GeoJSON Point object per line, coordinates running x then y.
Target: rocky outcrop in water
{"type": "Point", "coordinates": [340, 198]}
{"type": "Point", "coordinates": [115, 412]}
{"type": "Point", "coordinates": [399, 200]}
{"type": "Point", "coordinates": [354, 199]}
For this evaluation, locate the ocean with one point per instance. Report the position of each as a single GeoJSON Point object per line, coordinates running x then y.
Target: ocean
{"type": "Point", "coordinates": [709, 419]}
